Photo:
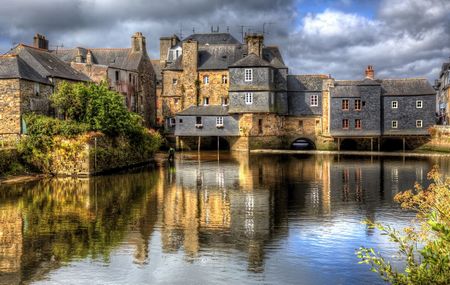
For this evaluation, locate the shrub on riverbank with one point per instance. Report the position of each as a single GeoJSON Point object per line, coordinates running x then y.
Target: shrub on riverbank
{"type": "Point", "coordinates": [425, 249]}
{"type": "Point", "coordinates": [84, 108]}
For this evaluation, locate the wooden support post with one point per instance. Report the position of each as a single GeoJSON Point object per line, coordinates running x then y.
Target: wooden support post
{"type": "Point", "coordinates": [198, 144]}
{"type": "Point", "coordinates": [218, 149]}
{"type": "Point", "coordinates": [371, 144]}
{"type": "Point", "coordinates": [339, 144]}
{"type": "Point", "coordinates": [379, 143]}
{"type": "Point", "coordinates": [404, 144]}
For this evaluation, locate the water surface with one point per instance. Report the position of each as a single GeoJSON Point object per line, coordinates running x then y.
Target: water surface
{"type": "Point", "coordinates": [259, 219]}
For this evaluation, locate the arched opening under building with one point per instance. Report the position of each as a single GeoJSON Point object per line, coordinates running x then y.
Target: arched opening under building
{"type": "Point", "coordinates": [349, 144]}
{"type": "Point", "coordinates": [303, 144]}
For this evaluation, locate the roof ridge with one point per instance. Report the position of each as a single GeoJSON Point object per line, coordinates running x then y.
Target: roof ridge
{"type": "Point", "coordinates": [36, 48]}
{"type": "Point", "coordinates": [409, 78]}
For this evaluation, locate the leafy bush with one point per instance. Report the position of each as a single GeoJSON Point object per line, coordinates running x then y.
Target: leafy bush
{"type": "Point", "coordinates": [426, 249]}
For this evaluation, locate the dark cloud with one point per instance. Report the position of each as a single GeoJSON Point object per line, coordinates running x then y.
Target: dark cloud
{"type": "Point", "coordinates": [403, 38]}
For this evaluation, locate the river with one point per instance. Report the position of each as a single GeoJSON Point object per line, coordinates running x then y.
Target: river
{"type": "Point", "coordinates": [239, 219]}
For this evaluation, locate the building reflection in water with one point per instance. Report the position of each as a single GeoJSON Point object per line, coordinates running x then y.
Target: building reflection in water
{"type": "Point", "coordinates": [240, 204]}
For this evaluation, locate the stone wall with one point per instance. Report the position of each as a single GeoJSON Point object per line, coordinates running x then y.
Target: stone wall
{"type": "Point", "coordinates": [95, 72]}
{"type": "Point", "coordinates": [9, 106]}
{"type": "Point", "coordinates": [215, 90]}
{"type": "Point", "coordinates": [94, 153]}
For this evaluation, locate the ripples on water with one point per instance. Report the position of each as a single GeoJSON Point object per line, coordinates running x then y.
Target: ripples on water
{"type": "Point", "coordinates": [241, 220]}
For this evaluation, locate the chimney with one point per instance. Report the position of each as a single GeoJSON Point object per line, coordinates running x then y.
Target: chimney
{"type": "Point", "coordinates": [255, 43]}
{"type": "Point", "coordinates": [166, 43]}
{"type": "Point", "coordinates": [79, 57]}
{"type": "Point", "coordinates": [370, 73]}
{"type": "Point", "coordinates": [39, 41]}
{"type": "Point", "coordinates": [190, 56]}
{"type": "Point", "coordinates": [138, 43]}
{"type": "Point", "coordinates": [89, 57]}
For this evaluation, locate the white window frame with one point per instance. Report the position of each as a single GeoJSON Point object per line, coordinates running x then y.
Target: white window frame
{"type": "Point", "coordinates": [394, 105]}
{"type": "Point", "coordinates": [314, 100]}
{"type": "Point", "coordinates": [249, 98]}
{"type": "Point", "coordinates": [206, 79]}
{"type": "Point", "coordinates": [225, 101]}
{"type": "Point", "coordinates": [174, 81]}
{"type": "Point", "coordinates": [419, 104]}
{"type": "Point", "coordinates": [224, 79]}
{"type": "Point", "coordinates": [419, 124]}
{"type": "Point", "coordinates": [205, 101]}
{"type": "Point", "coordinates": [248, 76]}
{"type": "Point", "coordinates": [219, 121]}
{"type": "Point", "coordinates": [394, 124]}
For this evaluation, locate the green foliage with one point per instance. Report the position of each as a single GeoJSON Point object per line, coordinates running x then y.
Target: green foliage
{"type": "Point", "coordinates": [426, 249]}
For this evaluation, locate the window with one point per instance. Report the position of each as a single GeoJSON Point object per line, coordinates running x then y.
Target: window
{"type": "Point", "coordinates": [345, 123]}
{"type": "Point", "coordinates": [419, 124]}
{"type": "Point", "coordinates": [198, 122]}
{"type": "Point", "coordinates": [176, 100]}
{"type": "Point", "coordinates": [314, 100]}
{"type": "Point", "coordinates": [174, 81]}
{"type": "Point", "coordinates": [219, 121]}
{"type": "Point", "coordinates": [117, 75]}
{"type": "Point", "coordinates": [394, 104]}
{"type": "Point", "coordinates": [345, 105]}
{"type": "Point", "coordinates": [357, 105]}
{"type": "Point", "coordinates": [300, 124]}
{"type": "Point", "coordinates": [248, 75]}
{"type": "Point", "coordinates": [129, 78]}
{"type": "Point", "coordinates": [36, 89]}
{"type": "Point", "coordinates": [206, 101]}
{"type": "Point", "coordinates": [206, 79]}
{"type": "Point", "coordinates": [172, 122]}
{"type": "Point", "coordinates": [260, 126]}
{"type": "Point", "coordinates": [394, 124]}
{"type": "Point", "coordinates": [180, 121]}
{"type": "Point", "coordinates": [224, 79]}
{"type": "Point", "coordinates": [224, 101]}
{"type": "Point", "coordinates": [419, 104]}
{"type": "Point", "coordinates": [248, 98]}
{"type": "Point", "coordinates": [357, 123]}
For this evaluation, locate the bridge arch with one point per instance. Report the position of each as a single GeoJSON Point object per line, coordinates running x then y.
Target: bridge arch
{"type": "Point", "coordinates": [303, 143]}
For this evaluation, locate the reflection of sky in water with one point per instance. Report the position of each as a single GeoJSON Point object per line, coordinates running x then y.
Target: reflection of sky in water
{"type": "Point", "coordinates": [243, 220]}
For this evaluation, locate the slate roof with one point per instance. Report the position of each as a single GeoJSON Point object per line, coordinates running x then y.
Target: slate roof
{"type": "Point", "coordinates": [121, 58]}
{"type": "Point", "coordinates": [389, 87]}
{"type": "Point", "coordinates": [212, 110]}
{"type": "Point", "coordinates": [312, 82]}
{"type": "Point", "coordinates": [47, 64]}
{"type": "Point", "coordinates": [273, 55]}
{"type": "Point", "coordinates": [213, 39]}
{"type": "Point", "coordinates": [251, 60]}
{"type": "Point", "coordinates": [405, 87]}
{"type": "Point", "coordinates": [157, 68]}
{"type": "Point", "coordinates": [445, 67]}
{"type": "Point", "coordinates": [12, 66]}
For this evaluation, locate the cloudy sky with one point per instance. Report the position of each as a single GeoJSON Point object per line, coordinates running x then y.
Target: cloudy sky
{"type": "Point", "coordinates": [401, 38]}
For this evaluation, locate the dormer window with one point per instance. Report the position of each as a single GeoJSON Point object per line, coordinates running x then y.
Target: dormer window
{"type": "Point", "coordinates": [206, 79]}
{"type": "Point", "coordinates": [248, 75]}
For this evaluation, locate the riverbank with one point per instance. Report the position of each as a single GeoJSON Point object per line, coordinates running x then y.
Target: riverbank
{"type": "Point", "coordinates": [354, 153]}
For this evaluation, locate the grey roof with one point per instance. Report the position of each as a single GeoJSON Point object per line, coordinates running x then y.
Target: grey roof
{"type": "Point", "coordinates": [251, 60]}
{"type": "Point", "coordinates": [12, 66]}
{"type": "Point", "coordinates": [46, 64]}
{"type": "Point", "coordinates": [157, 68]}
{"type": "Point", "coordinates": [389, 87]}
{"type": "Point", "coordinates": [273, 55]}
{"type": "Point", "coordinates": [212, 110]}
{"type": "Point", "coordinates": [305, 82]}
{"type": "Point", "coordinates": [405, 87]}
{"type": "Point", "coordinates": [121, 58]}
{"type": "Point", "coordinates": [219, 56]}
{"type": "Point", "coordinates": [213, 39]}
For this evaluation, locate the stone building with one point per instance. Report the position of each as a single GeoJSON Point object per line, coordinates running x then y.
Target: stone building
{"type": "Point", "coordinates": [215, 88]}
{"type": "Point", "coordinates": [28, 76]}
{"type": "Point", "coordinates": [443, 88]}
{"type": "Point", "coordinates": [128, 71]}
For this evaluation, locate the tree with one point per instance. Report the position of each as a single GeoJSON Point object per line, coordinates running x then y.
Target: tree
{"type": "Point", "coordinates": [425, 249]}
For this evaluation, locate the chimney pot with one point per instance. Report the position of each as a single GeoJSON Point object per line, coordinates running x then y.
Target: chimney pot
{"type": "Point", "coordinates": [370, 72]}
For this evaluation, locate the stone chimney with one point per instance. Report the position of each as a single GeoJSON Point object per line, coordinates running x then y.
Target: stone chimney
{"type": "Point", "coordinates": [79, 57]}
{"type": "Point", "coordinates": [89, 57]}
{"type": "Point", "coordinates": [166, 43]}
{"type": "Point", "coordinates": [190, 56]}
{"type": "Point", "coordinates": [255, 43]}
{"type": "Point", "coordinates": [39, 41]}
{"type": "Point", "coordinates": [138, 43]}
{"type": "Point", "coordinates": [370, 73]}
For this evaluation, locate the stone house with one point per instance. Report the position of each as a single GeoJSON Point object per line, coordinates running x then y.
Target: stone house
{"type": "Point", "coordinates": [375, 109]}
{"type": "Point", "coordinates": [28, 76]}
{"type": "Point", "coordinates": [443, 88]}
{"type": "Point", "coordinates": [128, 71]}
